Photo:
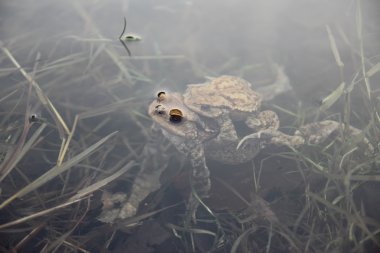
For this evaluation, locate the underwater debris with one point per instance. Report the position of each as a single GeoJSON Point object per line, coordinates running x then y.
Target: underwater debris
{"type": "Point", "coordinates": [124, 38]}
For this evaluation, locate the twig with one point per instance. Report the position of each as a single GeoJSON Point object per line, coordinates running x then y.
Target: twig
{"type": "Point", "coordinates": [122, 39]}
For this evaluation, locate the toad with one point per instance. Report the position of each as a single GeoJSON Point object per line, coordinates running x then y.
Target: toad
{"type": "Point", "coordinates": [201, 124]}
{"type": "Point", "coordinates": [199, 128]}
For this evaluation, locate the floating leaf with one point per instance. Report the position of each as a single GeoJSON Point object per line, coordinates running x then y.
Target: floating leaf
{"type": "Point", "coordinates": [130, 37]}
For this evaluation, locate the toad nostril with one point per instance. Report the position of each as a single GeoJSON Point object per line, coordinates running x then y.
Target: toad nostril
{"type": "Point", "coordinates": [160, 109]}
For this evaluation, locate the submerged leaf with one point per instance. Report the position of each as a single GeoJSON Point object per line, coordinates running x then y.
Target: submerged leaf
{"type": "Point", "coordinates": [373, 70]}
{"type": "Point", "coordinates": [334, 47]}
{"type": "Point", "coordinates": [328, 101]}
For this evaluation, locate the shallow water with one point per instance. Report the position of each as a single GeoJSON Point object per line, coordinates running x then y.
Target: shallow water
{"type": "Point", "coordinates": [193, 39]}
{"type": "Point", "coordinates": [79, 62]}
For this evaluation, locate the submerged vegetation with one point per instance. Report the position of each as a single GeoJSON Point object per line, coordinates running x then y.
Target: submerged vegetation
{"type": "Point", "coordinates": [74, 130]}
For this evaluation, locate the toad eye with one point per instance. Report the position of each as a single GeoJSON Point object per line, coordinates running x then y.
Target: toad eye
{"type": "Point", "coordinates": [205, 107]}
{"type": "Point", "coordinates": [176, 115]}
{"type": "Point", "coordinates": [161, 95]}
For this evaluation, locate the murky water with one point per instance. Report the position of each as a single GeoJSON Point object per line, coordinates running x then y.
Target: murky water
{"type": "Point", "coordinates": [72, 51]}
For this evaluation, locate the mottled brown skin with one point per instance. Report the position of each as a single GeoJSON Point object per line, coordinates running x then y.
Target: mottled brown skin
{"type": "Point", "coordinates": [224, 92]}
{"type": "Point", "coordinates": [232, 96]}
{"type": "Point", "coordinates": [228, 99]}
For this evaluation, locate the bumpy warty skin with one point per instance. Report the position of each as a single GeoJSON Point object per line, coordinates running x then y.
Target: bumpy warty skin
{"type": "Point", "coordinates": [204, 127]}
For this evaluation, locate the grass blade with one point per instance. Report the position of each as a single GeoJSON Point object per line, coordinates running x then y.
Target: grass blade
{"type": "Point", "coordinates": [373, 70]}
{"type": "Point", "coordinates": [16, 158]}
{"type": "Point", "coordinates": [56, 170]}
{"type": "Point", "coordinates": [334, 48]}
{"type": "Point", "coordinates": [38, 214]}
{"type": "Point", "coordinates": [328, 101]}
{"type": "Point", "coordinates": [82, 193]}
